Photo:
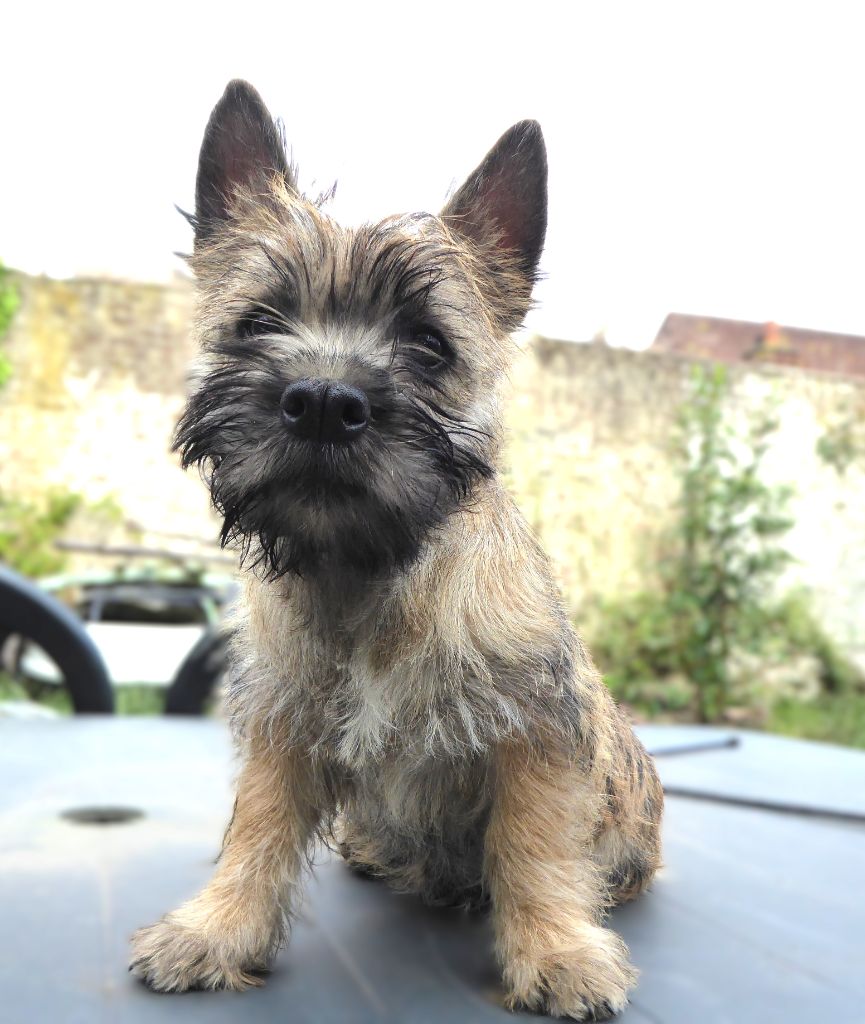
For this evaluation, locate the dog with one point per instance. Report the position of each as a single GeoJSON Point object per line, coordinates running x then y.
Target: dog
{"type": "Point", "coordinates": [405, 682]}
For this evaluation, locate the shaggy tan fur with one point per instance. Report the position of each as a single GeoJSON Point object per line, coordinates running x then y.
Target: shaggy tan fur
{"type": "Point", "coordinates": [233, 927]}
{"type": "Point", "coordinates": [433, 711]}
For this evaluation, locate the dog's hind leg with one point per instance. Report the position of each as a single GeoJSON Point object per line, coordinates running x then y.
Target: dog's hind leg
{"type": "Point", "coordinates": [627, 848]}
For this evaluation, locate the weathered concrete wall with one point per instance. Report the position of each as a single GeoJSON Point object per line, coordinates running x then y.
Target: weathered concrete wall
{"type": "Point", "coordinates": [98, 371]}
{"type": "Point", "coordinates": [592, 429]}
{"type": "Point", "coordinates": [98, 380]}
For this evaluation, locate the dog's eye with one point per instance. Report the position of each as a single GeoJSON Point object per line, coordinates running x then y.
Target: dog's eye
{"type": "Point", "coordinates": [430, 341]}
{"type": "Point", "coordinates": [428, 346]}
{"type": "Point", "coordinates": [257, 322]}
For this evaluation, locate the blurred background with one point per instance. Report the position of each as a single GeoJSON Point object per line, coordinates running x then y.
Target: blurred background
{"type": "Point", "coordinates": [688, 411]}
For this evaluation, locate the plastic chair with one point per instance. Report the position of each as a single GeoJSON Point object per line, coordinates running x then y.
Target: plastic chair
{"type": "Point", "coordinates": [197, 675]}
{"type": "Point", "coordinates": [28, 611]}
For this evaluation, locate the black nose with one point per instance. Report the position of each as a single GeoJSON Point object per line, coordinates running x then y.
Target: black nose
{"type": "Point", "coordinates": [324, 410]}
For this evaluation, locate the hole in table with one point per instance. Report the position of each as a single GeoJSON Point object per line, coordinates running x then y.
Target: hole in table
{"type": "Point", "coordinates": [102, 815]}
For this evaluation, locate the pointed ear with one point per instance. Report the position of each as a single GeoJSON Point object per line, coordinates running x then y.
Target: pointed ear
{"type": "Point", "coordinates": [503, 204]}
{"type": "Point", "coordinates": [242, 147]}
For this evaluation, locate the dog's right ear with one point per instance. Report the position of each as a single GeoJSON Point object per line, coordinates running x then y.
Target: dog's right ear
{"type": "Point", "coordinates": [242, 147]}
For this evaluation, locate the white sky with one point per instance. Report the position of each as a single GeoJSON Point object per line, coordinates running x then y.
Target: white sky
{"type": "Point", "coordinates": [704, 158]}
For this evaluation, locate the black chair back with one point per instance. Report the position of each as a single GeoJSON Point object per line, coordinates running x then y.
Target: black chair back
{"type": "Point", "coordinates": [30, 612]}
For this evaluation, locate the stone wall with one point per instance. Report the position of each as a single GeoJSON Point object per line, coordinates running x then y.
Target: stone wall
{"type": "Point", "coordinates": [591, 433]}
{"type": "Point", "coordinates": [98, 371]}
{"type": "Point", "coordinates": [98, 381]}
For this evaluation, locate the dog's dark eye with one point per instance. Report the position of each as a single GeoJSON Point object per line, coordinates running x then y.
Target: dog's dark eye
{"type": "Point", "coordinates": [427, 346]}
{"type": "Point", "coordinates": [257, 322]}
{"type": "Point", "coordinates": [430, 341]}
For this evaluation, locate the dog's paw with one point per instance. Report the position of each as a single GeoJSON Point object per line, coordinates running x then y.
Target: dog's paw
{"type": "Point", "coordinates": [587, 979]}
{"type": "Point", "coordinates": [172, 957]}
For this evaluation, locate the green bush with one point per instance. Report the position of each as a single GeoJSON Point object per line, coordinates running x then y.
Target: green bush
{"type": "Point", "coordinates": [638, 646]}
{"type": "Point", "coordinates": [636, 643]}
{"type": "Point", "coordinates": [722, 557]}
{"type": "Point", "coordinates": [672, 648]}
{"type": "Point", "coordinates": [128, 700]}
{"type": "Point", "coordinates": [789, 628]}
{"type": "Point", "coordinates": [8, 308]}
{"type": "Point", "coordinates": [28, 531]}
{"type": "Point", "coordinates": [842, 445]}
{"type": "Point", "coordinates": [835, 718]}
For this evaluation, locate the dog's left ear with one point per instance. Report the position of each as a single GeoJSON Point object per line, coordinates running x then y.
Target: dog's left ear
{"type": "Point", "coordinates": [502, 206]}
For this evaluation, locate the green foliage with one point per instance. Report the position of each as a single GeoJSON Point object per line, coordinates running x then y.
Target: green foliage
{"type": "Point", "coordinates": [637, 645]}
{"type": "Point", "coordinates": [29, 529]}
{"type": "Point", "coordinates": [28, 532]}
{"type": "Point", "coordinates": [8, 300]}
{"type": "Point", "coordinates": [789, 628]}
{"type": "Point", "coordinates": [8, 308]}
{"type": "Point", "coordinates": [54, 697]}
{"type": "Point", "coordinates": [723, 556]}
{"type": "Point", "coordinates": [128, 700]}
{"type": "Point", "coordinates": [726, 552]}
{"type": "Point", "coordinates": [835, 718]}
{"type": "Point", "coordinates": [139, 699]}
{"type": "Point", "coordinates": [843, 444]}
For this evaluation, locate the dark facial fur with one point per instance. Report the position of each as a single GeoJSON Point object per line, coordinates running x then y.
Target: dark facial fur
{"type": "Point", "coordinates": [414, 311]}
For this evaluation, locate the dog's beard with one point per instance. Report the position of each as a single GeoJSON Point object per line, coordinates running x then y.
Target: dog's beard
{"type": "Point", "coordinates": [294, 507]}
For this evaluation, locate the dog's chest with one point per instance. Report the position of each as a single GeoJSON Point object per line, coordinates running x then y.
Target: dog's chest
{"type": "Point", "coordinates": [368, 720]}
{"type": "Point", "coordinates": [337, 695]}
{"type": "Point", "coordinates": [363, 718]}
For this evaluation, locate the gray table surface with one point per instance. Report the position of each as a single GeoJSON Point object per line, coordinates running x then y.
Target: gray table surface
{"type": "Point", "coordinates": [758, 915]}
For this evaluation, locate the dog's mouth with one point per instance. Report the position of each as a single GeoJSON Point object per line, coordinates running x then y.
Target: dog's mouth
{"type": "Point", "coordinates": [317, 468]}
{"type": "Point", "coordinates": [317, 506]}
{"type": "Point", "coordinates": [324, 490]}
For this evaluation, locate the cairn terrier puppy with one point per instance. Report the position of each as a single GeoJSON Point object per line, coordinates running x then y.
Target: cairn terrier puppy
{"type": "Point", "coordinates": [405, 679]}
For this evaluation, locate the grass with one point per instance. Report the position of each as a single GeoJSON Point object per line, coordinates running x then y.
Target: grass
{"type": "Point", "coordinates": [834, 718]}
{"type": "Point", "coordinates": [54, 697]}
{"type": "Point", "coordinates": [137, 699]}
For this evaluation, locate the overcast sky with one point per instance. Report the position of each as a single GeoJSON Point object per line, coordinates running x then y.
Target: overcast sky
{"type": "Point", "coordinates": [704, 158]}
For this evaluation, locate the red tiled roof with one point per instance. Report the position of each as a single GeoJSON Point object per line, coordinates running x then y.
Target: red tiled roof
{"type": "Point", "coordinates": [733, 341]}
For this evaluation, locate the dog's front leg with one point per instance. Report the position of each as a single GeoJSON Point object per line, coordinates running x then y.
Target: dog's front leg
{"type": "Point", "coordinates": [234, 925]}
{"type": "Point", "coordinates": [548, 898]}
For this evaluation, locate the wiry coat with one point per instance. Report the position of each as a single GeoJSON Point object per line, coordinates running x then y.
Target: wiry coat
{"type": "Point", "coordinates": [407, 698]}
{"type": "Point", "coordinates": [404, 675]}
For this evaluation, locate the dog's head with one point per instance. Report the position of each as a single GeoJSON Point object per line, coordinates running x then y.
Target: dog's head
{"type": "Point", "coordinates": [346, 398]}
